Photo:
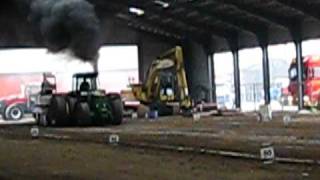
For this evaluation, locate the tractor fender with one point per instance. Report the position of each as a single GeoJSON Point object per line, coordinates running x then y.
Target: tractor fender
{"type": "Point", "coordinates": [113, 96]}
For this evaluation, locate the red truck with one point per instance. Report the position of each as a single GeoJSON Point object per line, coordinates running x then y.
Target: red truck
{"type": "Point", "coordinates": [311, 81]}
{"type": "Point", "coordinates": [18, 94]}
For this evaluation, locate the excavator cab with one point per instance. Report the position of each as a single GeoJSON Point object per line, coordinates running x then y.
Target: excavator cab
{"type": "Point", "coordinates": [167, 90]}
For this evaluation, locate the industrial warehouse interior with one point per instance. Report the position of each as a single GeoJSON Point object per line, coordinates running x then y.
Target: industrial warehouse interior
{"type": "Point", "coordinates": [160, 89]}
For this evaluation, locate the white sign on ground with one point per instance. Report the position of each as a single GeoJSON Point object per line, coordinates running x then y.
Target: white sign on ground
{"type": "Point", "coordinates": [114, 139]}
{"type": "Point", "coordinates": [196, 116]}
{"type": "Point", "coordinates": [287, 120]}
{"type": "Point", "coordinates": [267, 154]}
{"type": "Point", "coordinates": [134, 115]}
{"type": "Point", "coordinates": [34, 131]}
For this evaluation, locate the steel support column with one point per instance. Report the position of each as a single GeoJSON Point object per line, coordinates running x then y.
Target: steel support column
{"type": "Point", "coordinates": [236, 70]}
{"type": "Point", "coordinates": [212, 80]}
{"type": "Point", "coordinates": [140, 62]}
{"type": "Point", "coordinates": [266, 74]}
{"type": "Point", "coordinates": [299, 64]}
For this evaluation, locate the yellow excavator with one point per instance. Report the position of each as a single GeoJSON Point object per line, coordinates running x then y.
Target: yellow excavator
{"type": "Point", "coordinates": [165, 88]}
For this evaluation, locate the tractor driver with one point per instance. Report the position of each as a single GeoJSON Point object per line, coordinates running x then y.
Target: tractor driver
{"type": "Point", "coordinates": [85, 86]}
{"type": "Point", "coordinates": [46, 86]}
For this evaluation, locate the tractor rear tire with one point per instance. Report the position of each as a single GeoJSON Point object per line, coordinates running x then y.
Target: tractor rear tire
{"type": "Point", "coordinates": [57, 113]}
{"type": "Point", "coordinates": [117, 110]}
{"type": "Point", "coordinates": [72, 101]}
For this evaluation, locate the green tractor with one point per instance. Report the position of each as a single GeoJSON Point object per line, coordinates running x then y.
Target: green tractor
{"type": "Point", "coordinates": [85, 105]}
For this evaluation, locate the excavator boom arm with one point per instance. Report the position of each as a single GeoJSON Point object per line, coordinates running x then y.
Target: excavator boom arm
{"type": "Point", "coordinates": [172, 59]}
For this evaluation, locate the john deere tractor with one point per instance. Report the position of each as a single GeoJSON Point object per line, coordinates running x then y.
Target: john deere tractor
{"type": "Point", "coordinates": [85, 105]}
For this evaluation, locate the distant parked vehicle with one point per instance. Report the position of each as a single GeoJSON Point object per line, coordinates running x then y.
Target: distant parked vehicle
{"type": "Point", "coordinates": [17, 94]}
{"type": "Point", "coordinates": [311, 81]}
{"type": "Point", "coordinates": [14, 107]}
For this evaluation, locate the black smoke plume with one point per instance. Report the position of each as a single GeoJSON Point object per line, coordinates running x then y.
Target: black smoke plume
{"type": "Point", "coordinates": [68, 25]}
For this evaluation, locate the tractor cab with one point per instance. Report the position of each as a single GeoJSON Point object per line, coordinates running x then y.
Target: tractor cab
{"type": "Point", "coordinates": [84, 82]}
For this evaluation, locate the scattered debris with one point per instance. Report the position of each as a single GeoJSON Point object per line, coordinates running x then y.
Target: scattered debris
{"type": "Point", "coordinates": [304, 111]}
{"type": "Point", "coordinates": [153, 115]}
{"type": "Point", "coordinates": [265, 113]}
{"type": "Point", "coordinates": [134, 115]}
{"type": "Point", "coordinates": [305, 174]}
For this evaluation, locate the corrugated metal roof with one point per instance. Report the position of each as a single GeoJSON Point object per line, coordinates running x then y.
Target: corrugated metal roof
{"type": "Point", "coordinates": [242, 23]}
{"type": "Point", "coordinates": [220, 24]}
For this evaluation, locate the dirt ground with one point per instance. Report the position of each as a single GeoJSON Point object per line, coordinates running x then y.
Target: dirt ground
{"type": "Point", "coordinates": [240, 133]}
{"type": "Point", "coordinates": [43, 159]}
{"type": "Point", "coordinates": [82, 152]}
